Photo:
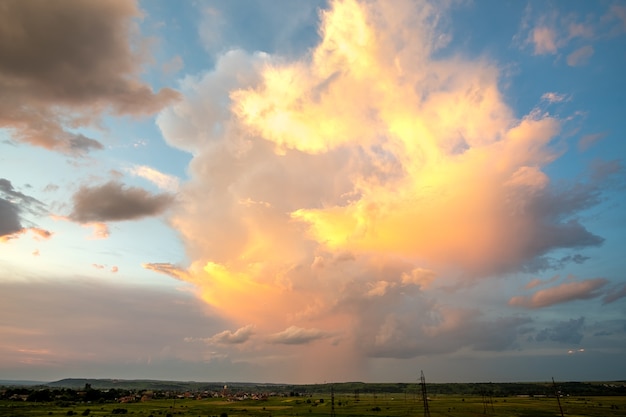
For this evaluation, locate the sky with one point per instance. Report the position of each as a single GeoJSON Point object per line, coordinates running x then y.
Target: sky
{"type": "Point", "coordinates": [313, 191]}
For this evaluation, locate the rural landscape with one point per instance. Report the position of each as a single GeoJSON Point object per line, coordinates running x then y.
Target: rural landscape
{"type": "Point", "coordinates": [307, 208]}
{"type": "Point", "coordinates": [107, 397]}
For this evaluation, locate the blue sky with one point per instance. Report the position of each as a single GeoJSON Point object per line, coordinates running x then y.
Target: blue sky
{"type": "Point", "coordinates": [310, 191]}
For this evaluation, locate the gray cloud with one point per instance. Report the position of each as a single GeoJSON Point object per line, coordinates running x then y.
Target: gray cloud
{"type": "Point", "coordinates": [567, 332]}
{"type": "Point", "coordinates": [615, 294]}
{"type": "Point", "coordinates": [544, 263]}
{"type": "Point", "coordinates": [13, 204]}
{"type": "Point", "coordinates": [58, 335]}
{"type": "Point", "coordinates": [237, 337]}
{"type": "Point", "coordinates": [9, 218]}
{"type": "Point", "coordinates": [65, 63]}
{"type": "Point", "coordinates": [114, 202]}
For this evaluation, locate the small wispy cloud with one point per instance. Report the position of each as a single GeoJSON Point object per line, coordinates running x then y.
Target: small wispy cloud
{"type": "Point", "coordinates": [544, 40]}
{"type": "Point", "coordinates": [552, 97]}
{"type": "Point", "coordinates": [614, 294]}
{"type": "Point", "coordinates": [580, 56]}
{"type": "Point", "coordinates": [166, 268]}
{"type": "Point", "coordinates": [294, 335]}
{"type": "Point", "coordinates": [100, 230]}
{"type": "Point", "coordinates": [588, 141]}
{"type": "Point", "coordinates": [163, 181]}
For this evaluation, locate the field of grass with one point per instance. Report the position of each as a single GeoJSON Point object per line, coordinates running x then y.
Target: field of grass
{"type": "Point", "coordinates": [381, 405]}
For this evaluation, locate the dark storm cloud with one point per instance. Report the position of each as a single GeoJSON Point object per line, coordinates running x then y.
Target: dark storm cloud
{"type": "Point", "coordinates": [114, 202]}
{"type": "Point", "coordinates": [12, 204]}
{"type": "Point", "coordinates": [64, 63]}
{"type": "Point", "coordinates": [9, 218]}
{"type": "Point", "coordinates": [568, 332]}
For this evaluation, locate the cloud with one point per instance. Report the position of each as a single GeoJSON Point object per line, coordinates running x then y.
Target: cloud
{"type": "Point", "coordinates": [294, 335]}
{"type": "Point", "coordinates": [566, 332]}
{"type": "Point", "coordinates": [237, 337]}
{"type": "Point", "coordinates": [544, 40]}
{"type": "Point", "coordinates": [614, 294]}
{"type": "Point", "coordinates": [601, 171]}
{"type": "Point", "coordinates": [536, 282]}
{"type": "Point", "coordinates": [553, 97]}
{"type": "Point", "coordinates": [13, 205]}
{"type": "Point", "coordinates": [80, 304]}
{"type": "Point", "coordinates": [545, 263]}
{"type": "Point", "coordinates": [65, 64]}
{"type": "Point", "coordinates": [562, 293]}
{"type": "Point", "coordinates": [195, 122]}
{"type": "Point", "coordinates": [115, 202]}
{"type": "Point", "coordinates": [9, 218]}
{"type": "Point", "coordinates": [173, 65]}
{"type": "Point", "coordinates": [100, 230]}
{"type": "Point", "coordinates": [558, 30]}
{"type": "Point", "coordinates": [338, 192]}
{"type": "Point", "coordinates": [587, 141]}
{"type": "Point", "coordinates": [163, 181]}
{"type": "Point", "coordinates": [114, 269]}
{"type": "Point", "coordinates": [169, 269]}
{"type": "Point", "coordinates": [617, 11]}
{"type": "Point", "coordinates": [580, 56]}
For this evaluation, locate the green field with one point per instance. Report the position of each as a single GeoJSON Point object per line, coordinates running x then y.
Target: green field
{"type": "Point", "coordinates": [380, 405]}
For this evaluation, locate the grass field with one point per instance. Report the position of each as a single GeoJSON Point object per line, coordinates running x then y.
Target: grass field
{"type": "Point", "coordinates": [382, 405]}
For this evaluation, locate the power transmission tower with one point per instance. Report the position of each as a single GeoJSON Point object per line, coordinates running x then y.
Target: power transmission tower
{"type": "Point", "coordinates": [556, 393]}
{"type": "Point", "coordinates": [424, 395]}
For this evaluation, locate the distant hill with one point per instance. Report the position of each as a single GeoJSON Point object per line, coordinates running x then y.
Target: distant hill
{"type": "Point", "coordinates": [148, 384]}
{"type": "Point", "coordinates": [20, 383]}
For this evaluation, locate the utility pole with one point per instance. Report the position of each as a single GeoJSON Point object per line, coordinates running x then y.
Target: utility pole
{"type": "Point", "coordinates": [424, 395]}
{"type": "Point", "coordinates": [332, 401]}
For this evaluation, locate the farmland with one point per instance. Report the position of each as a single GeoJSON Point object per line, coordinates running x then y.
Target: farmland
{"type": "Point", "coordinates": [318, 401]}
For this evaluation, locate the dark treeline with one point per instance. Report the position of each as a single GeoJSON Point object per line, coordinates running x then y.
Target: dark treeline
{"type": "Point", "coordinates": [61, 395]}
{"type": "Point", "coordinates": [490, 389]}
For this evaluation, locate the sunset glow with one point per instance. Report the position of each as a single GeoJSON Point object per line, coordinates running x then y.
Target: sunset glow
{"type": "Point", "coordinates": [332, 191]}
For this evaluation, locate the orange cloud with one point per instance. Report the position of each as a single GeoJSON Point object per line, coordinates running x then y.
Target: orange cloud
{"type": "Point", "coordinates": [100, 230]}
{"type": "Point", "coordinates": [562, 293]}
{"type": "Point", "coordinates": [328, 194]}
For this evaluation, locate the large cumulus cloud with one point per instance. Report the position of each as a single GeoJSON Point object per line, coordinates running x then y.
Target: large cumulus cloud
{"type": "Point", "coordinates": [331, 193]}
